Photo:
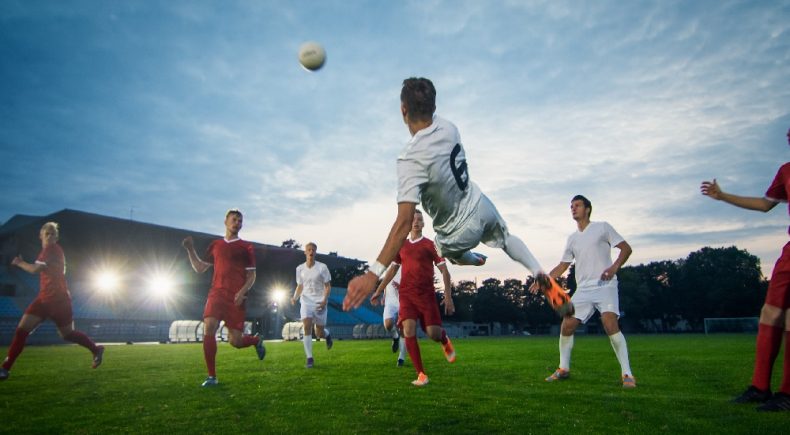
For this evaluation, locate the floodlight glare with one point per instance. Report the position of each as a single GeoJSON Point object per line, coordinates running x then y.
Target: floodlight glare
{"type": "Point", "coordinates": [278, 295]}
{"type": "Point", "coordinates": [107, 281]}
{"type": "Point", "coordinates": [161, 285]}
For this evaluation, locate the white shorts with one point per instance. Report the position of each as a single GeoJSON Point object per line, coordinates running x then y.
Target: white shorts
{"type": "Point", "coordinates": [391, 307]}
{"type": "Point", "coordinates": [310, 311]}
{"type": "Point", "coordinates": [484, 225]}
{"type": "Point", "coordinates": [603, 298]}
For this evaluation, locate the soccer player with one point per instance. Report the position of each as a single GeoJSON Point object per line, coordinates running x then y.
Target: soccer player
{"type": "Point", "coordinates": [596, 286]}
{"type": "Point", "coordinates": [432, 169]}
{"type": "Point", "coordinates": [417, 296]}
{"type": "Point", "coordinates": [312, 290]}
{"type": "Point", "coordinates": [53, 300]}
{"type": "Point", "coordinates": [389, 286]}
{"type": "Point", "coordinates": [234, 274]}
{"type": "Point", "coordinates": [774, 314]}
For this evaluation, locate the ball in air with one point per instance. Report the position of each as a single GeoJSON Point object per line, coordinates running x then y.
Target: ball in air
{"type": "Point", "coordinates": [312, 55]}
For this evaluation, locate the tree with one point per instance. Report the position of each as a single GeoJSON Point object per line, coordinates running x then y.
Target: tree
{"type": "Point", "coordinates": [291, 244]}
{"type": "Point", "coordinates": [491, 305]}
{"type": "Point", "coordinates": [342, 275]}
{"type": "Point", "coordinates": [464, 293]}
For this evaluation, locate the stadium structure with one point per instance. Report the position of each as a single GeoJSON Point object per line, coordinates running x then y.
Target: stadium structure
{"type": "Point", "coordinates": [130, 281]}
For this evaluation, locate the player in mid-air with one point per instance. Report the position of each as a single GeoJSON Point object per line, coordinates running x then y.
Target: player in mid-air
{"type": "Point", "coordinates": [596, 286]}
{"type": "Point", "coordinates": [313, 285]}
{"type": "Point", "coordinates": [53, 300]}
{"type": "Point", "coordinates": [389, 286]}
{"type": "Point", "coordinates": [417, 295]}
{"type": "Point", "coordinates": [432, 169]}
{"type": "Point", "coordinates": [234, 274]}
{"type": "Point", "coordinates": [774, 316]}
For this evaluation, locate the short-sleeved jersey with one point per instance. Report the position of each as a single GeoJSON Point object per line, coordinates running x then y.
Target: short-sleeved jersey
{"type": "Point", "coordinates": [432, 169]}
{"type": "Point", "coordinates": [417, 259]}
{"type": "Point", "coordinates": [393, 289]}
{"type": "Point", "coordinates": [592, 251]}
{"type": "Point", "coordinates": [52, 279]}
{"type": "Point", "coordinates": [777, 192]}
{"type": "Point", "coordinates": [231, 259]}
{"type": "Point", "coordinates": [312, 280]}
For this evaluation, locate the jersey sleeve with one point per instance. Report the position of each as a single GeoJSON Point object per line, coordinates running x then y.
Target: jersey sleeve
{"type": "Point", "coordinates": [437, 260]}
{"type": "Point", "coordinates": [299, 275]}
{"type": "Point", "coordinates": [777, 191]}
{"type": "Point", "coordinates": [326, 275]}
{"type": "Point", "coordinates": [397, 260]}
{"type": "Point", "coordinates": [46, 255]}
{"type": "Point", "coordinates": [411, 177]}
{"type": "Point", "coordinates": [251, 257]}
{"type": "Point", "coordinates": [208, 257]}
{"type": "Point", "coordinates": [567, 254]}
{"type": "Point", "coordinates": [612, 236]}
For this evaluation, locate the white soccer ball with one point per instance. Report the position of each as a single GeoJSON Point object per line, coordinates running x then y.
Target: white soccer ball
{"type": "Point", "coordinates": [312, 55]}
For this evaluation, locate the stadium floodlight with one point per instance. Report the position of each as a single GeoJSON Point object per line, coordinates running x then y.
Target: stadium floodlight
{"type": "Point", "coordinates": [278, 295]}
{"type": "Point", "coordinates": [107, 281]}
{"type": "Point", "coordinates": [161, 285]}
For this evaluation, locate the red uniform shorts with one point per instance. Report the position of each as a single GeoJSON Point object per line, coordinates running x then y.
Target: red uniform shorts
{"type": "Point", "coordinates": [221, 307]}
{"type": "Point", "coordinates": [59, 310]}
{"type": "Point", "coordinates": [422, 307]}
{"type": "Point", "coordinates": [780, 281]}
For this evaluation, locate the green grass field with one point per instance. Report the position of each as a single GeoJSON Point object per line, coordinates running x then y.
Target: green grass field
{"type": "Point", "coordinates": [495, 386]}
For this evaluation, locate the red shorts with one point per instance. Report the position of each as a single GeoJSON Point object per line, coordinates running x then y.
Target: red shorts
{"type": "Point", "coordinates": [422, 307]}
{"type": "Point", "coordinates": [221, 307]}
{"type": "Point", "coordinates": [780, 281]}
{"type": "Point", "coordinates": [59, 310]}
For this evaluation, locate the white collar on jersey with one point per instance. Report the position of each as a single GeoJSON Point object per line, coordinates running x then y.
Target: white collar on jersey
{"type": "Point", "coordinates": [231, 240]}
{"type": "Point", "coordinates": [415, 241]}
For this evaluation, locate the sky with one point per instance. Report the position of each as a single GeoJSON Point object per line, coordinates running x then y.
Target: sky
{"type": "Point", "coordinates": [172, 112]}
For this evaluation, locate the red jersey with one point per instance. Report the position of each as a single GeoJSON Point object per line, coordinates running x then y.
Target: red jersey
{"type": "Point", "coordinates": [417, 259]}
{"type": "Point", "coordinates": [780, 186]}
{"type": "Point", "coordinates": [52, 279]}
{"type": "Point", "coordinates": [231, 259]}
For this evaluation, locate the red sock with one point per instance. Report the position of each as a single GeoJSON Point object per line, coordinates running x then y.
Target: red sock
{"type": "Point", "coordinates": [17, 345]}
{"type": "Point", "coordinates": [248, 340]}
{"type": "Point", "coordinates": [414, 353]}
{"type": "Point", "coordinates": [210, 353]}
{"type": "Point", "coordinates": [785, 388]}
{"type": "Point", "coordinates": [769, 340]}
{"type": "Point", "coordinates": [81, 339]}
{"type": "Point", "coordinates": [443, 340]}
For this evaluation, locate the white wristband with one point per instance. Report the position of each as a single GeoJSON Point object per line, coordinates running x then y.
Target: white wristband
{"type": "Point", "coordinates": [377, 268]}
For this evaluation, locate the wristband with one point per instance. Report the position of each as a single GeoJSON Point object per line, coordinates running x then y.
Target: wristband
{"type": "Point", "coordinates": [377, 268]}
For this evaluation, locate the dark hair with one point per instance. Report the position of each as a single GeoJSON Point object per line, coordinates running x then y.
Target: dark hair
{"type": "Point", "coordinates": [419, 97]}
{"type": "Point", "coordinates": [587, 203]}
{"type": "Point", "coordinates": [233, 211]}
{"type": "Point", "coordinates": [417, 210]}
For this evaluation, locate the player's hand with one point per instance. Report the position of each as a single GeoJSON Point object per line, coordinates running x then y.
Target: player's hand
{"type": "Point", "coordinates": [358, 289]}
{"type": "Point", "coordinates": [17, 260]}
{"type": "Point", "coordinates": [188, 243]}
{"type": "Point", "coordinates": [374, 299]}
{"type": "Point", "coordinates": [609, 273]}
{"type": "Point", "coordinates": [293, 300]}
{"type": "Point", "coordinates": [321, 306]}
{"type": "Point", "coordinates": [239, 298]}
{"type": "Point", "coordinates": [534, 288]}
{"type": "Point", "coordinates": [711, 188]}
{"type": "Point", "coordinates": [449, 306]}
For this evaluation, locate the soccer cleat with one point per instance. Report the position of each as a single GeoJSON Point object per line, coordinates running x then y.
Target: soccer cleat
{"type": "Point", "coordinates": [4, 374]}
{"type": "Point", "coordinates": [329, 341]}
{"type": "Point", "coordinates": [210, 382]}
{"type": "Point", "coordinates": [97, 357]}
{"type": "Point", "coordinates": [400, 363]}
{"type": "Point", "coordinates": [395, 345]}
{"type": "Point", "coordinates": [629, 381]}
{"type": "Point", "coordinates": [559, 375]}
{"type": "Point", "coordinates": [555, 295]}
{"type": "Point", "coordinates": [421, 381]}
{"type": "Point", "coordinates": [260, 349]}
{"type": "Point", "coordinates": [449, 351]}
{"type": "Point", "coordinates": [309, 364]}
{"type": "Point", "coordinates": [753, 395]}
{"type": "Point", "coordinates": [779, 402]}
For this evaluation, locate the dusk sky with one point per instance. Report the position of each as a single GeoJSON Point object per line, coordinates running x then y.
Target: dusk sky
{"type": "Point", "coordinates": [171, 112]}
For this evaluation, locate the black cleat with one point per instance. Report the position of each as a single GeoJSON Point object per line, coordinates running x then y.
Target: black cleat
{"type": "Point", "coordinates": [395, 345]}
{"type": "Point", "coordinates": [260, 349]}
{"type": "Point", "coordinates": [779, 402]}
{"type": "Point", "coordinates": [4, 374]}
{"type": "Point", "coordinates": [753, 395]}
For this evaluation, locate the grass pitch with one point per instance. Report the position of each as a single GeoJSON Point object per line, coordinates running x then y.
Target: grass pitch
{"type": "Point", "coordinates": [685, 383]}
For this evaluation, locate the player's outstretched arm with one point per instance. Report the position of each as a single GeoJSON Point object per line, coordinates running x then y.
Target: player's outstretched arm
{"type": "Point", "coordinates": [360, 287]}
{"type": "Point", "coordinates": [32, 268]}
{"type": "Point", "coordinates": [198, 265]}
{"type": "Point", "coordinates": [712, 189]}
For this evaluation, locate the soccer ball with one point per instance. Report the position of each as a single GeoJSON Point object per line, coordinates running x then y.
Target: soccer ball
{"type": "Point", "coordinates": [312, 55]}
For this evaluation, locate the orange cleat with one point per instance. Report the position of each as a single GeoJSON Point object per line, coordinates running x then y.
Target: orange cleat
{"type": "Point", "coordinates": [449, 351]}
{"type": "Point", "coordinates": [421, 381]}
{"type": "Point", "coordinates": [559, 375]}
{"type": "Point", "coordinates": [558, 299]}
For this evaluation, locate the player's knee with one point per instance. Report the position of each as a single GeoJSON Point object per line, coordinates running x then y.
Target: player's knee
{"type": "Point", "coordinates": [771, 315]}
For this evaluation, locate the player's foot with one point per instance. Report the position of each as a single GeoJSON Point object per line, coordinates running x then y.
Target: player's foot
{"type": "Point", "coordinates": [329, 341]}
{"type": "Point", "coordinates": [4, 374]}
{"type": "Point", "coordinates": [260, 349]}
{"type": "Point", "coordinates": [558, 299]}
{"type": "Point", "coordinates": [395, 344]}
{"type": "Point", "coordinates": [400, 363]}
{"type": "Point", "coordinates": [210, 382]}
{"type": "Point", "coordinates": [559, 375]}
{"type": "Point", "coordinates": [97, 357]}
{"type": "Point", "coordinates": [629, 381]}
{"type": "Point", "coordinates": [449, 351]}
{"type": "Point", "coordinates": [309, 364]}
{"type": "Point", "coordinates": [421, 381]}
{"type": "Point", "coordinates": [753, 395]}
{"type": "Point", "coordinates": [469, 259]}
{"type": "Point", "coordinates": [779, 402]}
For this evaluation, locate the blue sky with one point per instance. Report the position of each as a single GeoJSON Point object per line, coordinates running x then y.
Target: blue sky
{"type": "Point", "coordinates": [172, 112]}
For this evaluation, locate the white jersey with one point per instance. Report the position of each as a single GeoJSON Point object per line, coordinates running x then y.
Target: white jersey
{"type": "Point", "coordinates": [432, 169]}
{"type": "Point", "coordinates": [391, 293]}
{"type": "Point", "coordinates": [592, 251]}
{"type": "Point", "coordinates": [312, 280]}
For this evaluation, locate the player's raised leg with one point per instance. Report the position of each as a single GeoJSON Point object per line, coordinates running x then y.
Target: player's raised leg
{"type": "Point", "coordinates": [27, 324]}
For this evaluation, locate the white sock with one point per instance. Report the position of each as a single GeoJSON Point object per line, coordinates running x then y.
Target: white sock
{"type": "Point", "coordinates": [402, 347]}
{"type": "Point", "coordinates": [566, 346]}
{"type": "Point", "coordinates": [621, 351]}
{"type": "Point", "coordinates": [308, 345]}
{"type": "Point", "coordinates": [394, 333]}
{"type": "Point", "coordinates": [468, 258]}
{"type": "Point", "coordinates": [518, 251]}
{"type": "Point", "coordinates": [326, 332]}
